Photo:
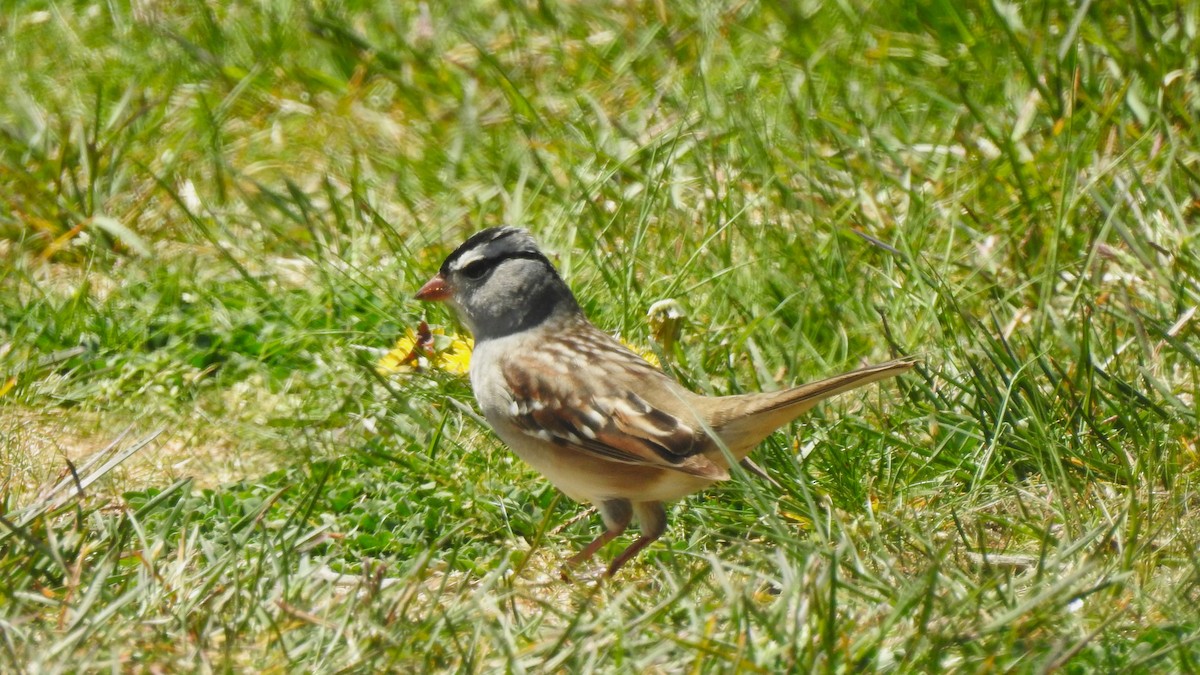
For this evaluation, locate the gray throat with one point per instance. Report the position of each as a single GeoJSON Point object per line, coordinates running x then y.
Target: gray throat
{"type": "Point", "coordinates": [548, 300]}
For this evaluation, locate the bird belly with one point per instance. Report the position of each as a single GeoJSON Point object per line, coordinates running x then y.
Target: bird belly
{"type": "Point", "coordinates": [587, 478]}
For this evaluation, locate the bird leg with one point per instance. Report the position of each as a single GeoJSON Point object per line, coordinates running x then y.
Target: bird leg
{"type": "Point", "coordinates": [617, 513]}
{"type": "Point", "coordinates": [652, 519]}
{"type": "Point", "coordinates": [590, 550]}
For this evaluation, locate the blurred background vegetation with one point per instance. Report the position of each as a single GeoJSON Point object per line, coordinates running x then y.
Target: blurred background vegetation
{"type": "Point", "coordinates": [213, 215]}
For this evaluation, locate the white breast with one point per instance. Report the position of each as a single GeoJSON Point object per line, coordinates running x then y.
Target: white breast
{"type": "Point", "coordinates": [491, 392]}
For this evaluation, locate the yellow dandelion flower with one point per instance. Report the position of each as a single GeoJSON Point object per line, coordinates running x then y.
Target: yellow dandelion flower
{"type": "Point", "coordinates": [399, 357]}
{"type": "Point", "coordinates": [457, 357]}
{"type": "Point", "coordinates": [650, 356]}
{"type": "Point", "coordinates": [427, 348]}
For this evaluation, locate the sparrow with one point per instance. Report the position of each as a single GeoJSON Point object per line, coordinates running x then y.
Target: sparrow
{"type": "Point", "coordinates": [601, 423]}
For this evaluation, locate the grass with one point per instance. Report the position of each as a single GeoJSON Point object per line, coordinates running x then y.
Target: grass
{"type": "Point", "coordinates": [214, 217]}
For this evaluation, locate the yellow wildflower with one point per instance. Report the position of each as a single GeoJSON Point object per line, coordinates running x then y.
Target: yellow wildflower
{"type": "Point", "coordinates": [650, 356]}
{"type": "Point", "coordinates": [426, 348]}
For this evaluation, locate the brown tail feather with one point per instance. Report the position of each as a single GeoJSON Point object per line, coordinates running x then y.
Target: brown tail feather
{"type": "Point", "coordinates": [752, 417]}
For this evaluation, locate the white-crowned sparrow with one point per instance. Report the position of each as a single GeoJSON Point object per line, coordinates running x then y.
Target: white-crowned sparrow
{"type": "Point", "coordinates": [600, 422]}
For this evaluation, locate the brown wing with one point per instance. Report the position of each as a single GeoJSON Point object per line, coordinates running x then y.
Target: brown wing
{"type": "Point", "coordinates": [616, 425]}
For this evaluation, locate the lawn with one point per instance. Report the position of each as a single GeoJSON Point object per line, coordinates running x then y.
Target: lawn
{"type": "Point", "coordinates": [213, 217]}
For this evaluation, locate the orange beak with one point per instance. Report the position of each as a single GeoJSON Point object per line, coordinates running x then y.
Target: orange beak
{"type": "Point", "coordinates": [434, 290]}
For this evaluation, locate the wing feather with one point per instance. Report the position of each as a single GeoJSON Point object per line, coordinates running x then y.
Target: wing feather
{"type": "Point", "coordinates": [618, 426]}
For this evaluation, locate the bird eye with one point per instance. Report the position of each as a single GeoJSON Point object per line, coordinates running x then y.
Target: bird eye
{"type": "Point", "coordinates": [478, 269]}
